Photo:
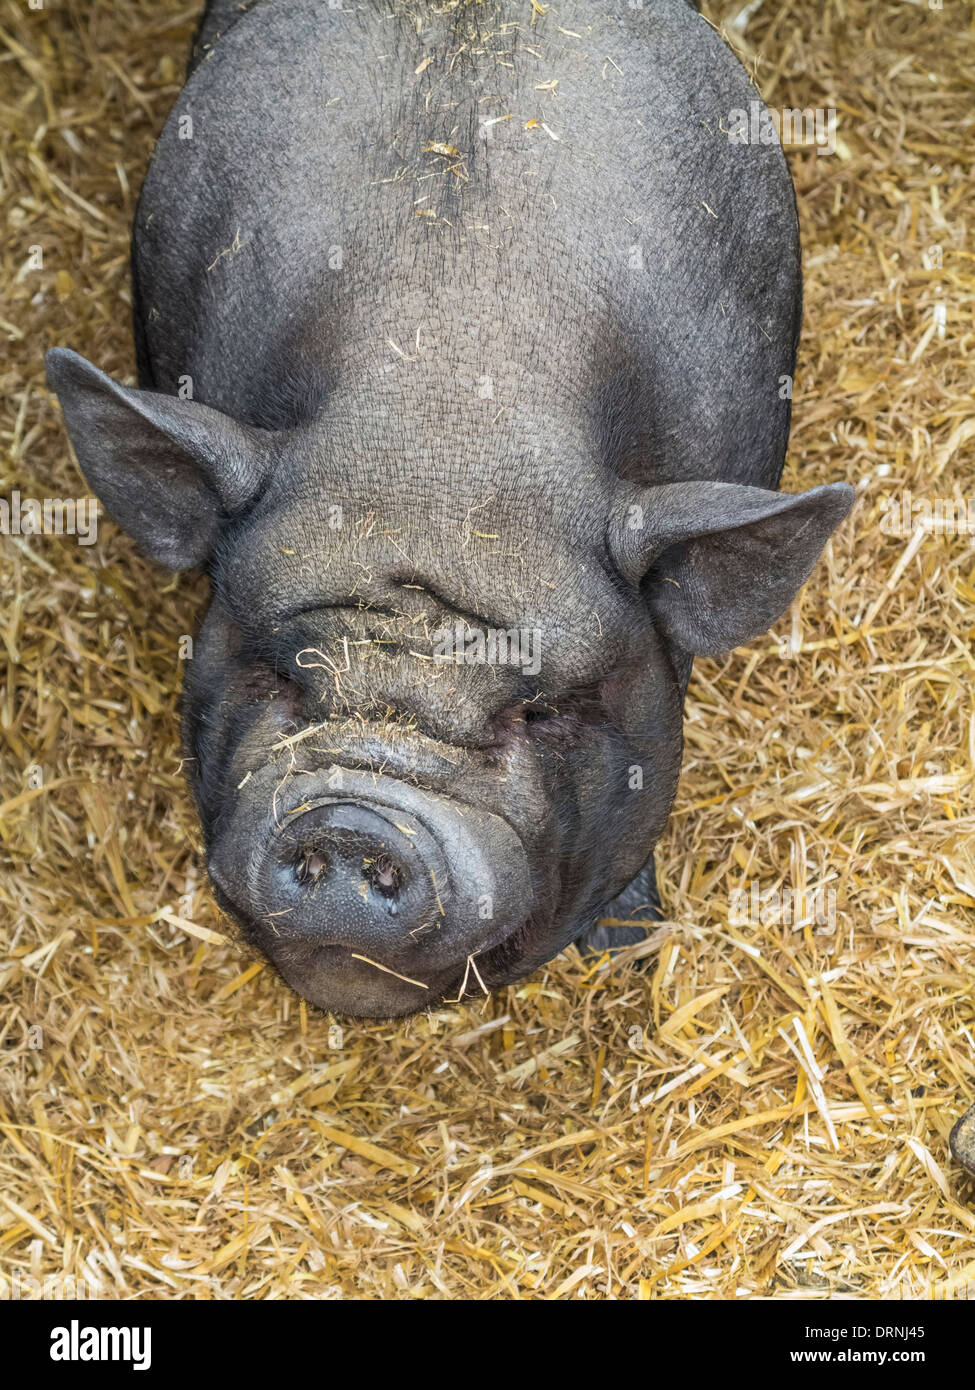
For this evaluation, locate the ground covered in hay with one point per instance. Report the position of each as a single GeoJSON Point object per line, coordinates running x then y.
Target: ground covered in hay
{"type": "Point", "coordinates": [752, 1110]}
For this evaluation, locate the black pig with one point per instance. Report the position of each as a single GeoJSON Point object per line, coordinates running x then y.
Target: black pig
{"type": "Point", "coordinates": [465, 336]}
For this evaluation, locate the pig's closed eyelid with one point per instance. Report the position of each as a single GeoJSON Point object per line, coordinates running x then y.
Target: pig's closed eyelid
{"type": "Point", "coordinates": [256, 652]}
{"type": "Point", "coordinates": [318, 605]}
{"type": "Point", "coordinates": [450, 614]}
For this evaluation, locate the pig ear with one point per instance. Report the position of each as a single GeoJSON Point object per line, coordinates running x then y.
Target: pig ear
{"type": "Point", "coordinates": [170, 471]}
{"type": "Point", "coordinates": [719, 562]}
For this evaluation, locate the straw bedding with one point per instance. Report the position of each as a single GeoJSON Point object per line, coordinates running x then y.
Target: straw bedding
{"type": "Point", "coordinates": [751, 1110]}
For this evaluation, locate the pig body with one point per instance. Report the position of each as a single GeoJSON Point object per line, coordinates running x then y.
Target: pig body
{"type": "Point", "coordinates": [460, 331]}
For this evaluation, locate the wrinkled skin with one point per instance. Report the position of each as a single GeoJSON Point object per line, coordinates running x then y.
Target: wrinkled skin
{"type": "Point", "coordinates": [522, 375]}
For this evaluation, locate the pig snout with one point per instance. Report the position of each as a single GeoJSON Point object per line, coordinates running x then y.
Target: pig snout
{"type": "Point", "coordinates": [353, 876]}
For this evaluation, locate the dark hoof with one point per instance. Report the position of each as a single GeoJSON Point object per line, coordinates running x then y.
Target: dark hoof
{"type": "Point", "coordinates": [629, 919]}
{"type": "Point", "coordinates": [963, 1141]}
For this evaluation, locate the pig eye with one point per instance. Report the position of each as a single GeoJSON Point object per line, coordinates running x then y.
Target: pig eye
{"type": "Point", "coordinates": [525, 712]}
{"type": "Point", "coordinates": [535, 710]}
{"type": "Point", "coordinates": [560, 720]}
{"type": "Point", "coordinates": [524, 717]}
{"type": "Point", "coordinates": [534, 713]}
{"type": "Point", "coordinates": [262, 676]}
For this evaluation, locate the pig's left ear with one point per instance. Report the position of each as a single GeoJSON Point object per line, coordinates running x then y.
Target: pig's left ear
{"type": "Point", "coordinates": [170, 471]}
{"type": "Point", "coordinates": [719, 562]}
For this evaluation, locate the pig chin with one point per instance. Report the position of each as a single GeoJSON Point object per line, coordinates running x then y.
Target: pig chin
{"type": "Point", "coordinates": [374, 895]}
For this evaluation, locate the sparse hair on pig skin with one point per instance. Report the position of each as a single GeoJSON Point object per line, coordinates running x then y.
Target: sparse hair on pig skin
{"type": "Point", "coordinates": [453, 318]}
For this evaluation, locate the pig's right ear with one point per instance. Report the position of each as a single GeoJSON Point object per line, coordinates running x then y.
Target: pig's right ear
{"type": "Point", "coordinates": [170, 471]}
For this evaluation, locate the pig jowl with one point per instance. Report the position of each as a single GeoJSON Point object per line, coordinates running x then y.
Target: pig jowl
{"type": "Point", "coordinates": [465, 346]}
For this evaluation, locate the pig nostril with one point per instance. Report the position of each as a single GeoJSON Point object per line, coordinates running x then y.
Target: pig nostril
{"type": "Point", "coordinates": [310, 868]}
{"type": "Point", "coordinates": [382, 874]}
{"type": "Point", "coordinates": [353, 872]}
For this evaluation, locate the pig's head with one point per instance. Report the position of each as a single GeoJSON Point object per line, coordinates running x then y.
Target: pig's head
{"type": "Point", "coordinates": [434, 711]}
